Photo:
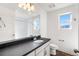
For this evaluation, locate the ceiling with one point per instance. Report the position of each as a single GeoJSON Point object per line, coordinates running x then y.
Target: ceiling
{"type": "Point", "coordinates": [45, 6]}
{"type": "Point", "coordinates": [12, 6]}
{"type": "Point", "coordinates": [52, 6]}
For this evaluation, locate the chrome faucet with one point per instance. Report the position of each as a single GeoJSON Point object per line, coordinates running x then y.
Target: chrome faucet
{"type": "Point", "coordinates": [34, 38]}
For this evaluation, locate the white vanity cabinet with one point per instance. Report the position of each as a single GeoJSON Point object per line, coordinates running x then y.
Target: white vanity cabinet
{"type": "Point", "coordinates": [31, 54]}
{"type": "Point", "coordinates": [41, 53]}
{"type": "Point", "coordinates": [47, 51]}
{"type": "Point", "coordinates": [43, 50]}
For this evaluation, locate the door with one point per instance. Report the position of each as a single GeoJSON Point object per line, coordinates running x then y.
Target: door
{"type": "Point", "coordinates": [47, 51]}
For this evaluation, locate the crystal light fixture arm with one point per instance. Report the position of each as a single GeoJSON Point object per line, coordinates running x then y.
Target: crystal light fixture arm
{"type": "Point", "coordinates": [26, 6]}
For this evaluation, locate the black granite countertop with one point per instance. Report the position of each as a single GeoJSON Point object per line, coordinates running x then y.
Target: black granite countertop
{"type": "Point", "coordinates": [21, 49]}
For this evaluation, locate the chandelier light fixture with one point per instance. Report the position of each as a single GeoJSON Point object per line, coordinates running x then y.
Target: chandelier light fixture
{"type": "Point", "coordinates": [26, 6]}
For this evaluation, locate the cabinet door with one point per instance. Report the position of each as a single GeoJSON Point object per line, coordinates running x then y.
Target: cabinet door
{"type": "Point", "coordinates": [41, 53]}
{"type": "Point", "coordinates": [31, 54]}
{"type": "Point", "coordinates": [47, 51]}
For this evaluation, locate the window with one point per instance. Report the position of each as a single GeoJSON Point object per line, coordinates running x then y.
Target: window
{"type": "Point", "coordinates": [37, 23]}
{"type": "Point", "coordinates": [65, 20]}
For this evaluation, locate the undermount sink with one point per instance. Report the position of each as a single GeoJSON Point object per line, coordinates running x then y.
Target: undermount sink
{"type": "Point", "coordinates": [38, 41]}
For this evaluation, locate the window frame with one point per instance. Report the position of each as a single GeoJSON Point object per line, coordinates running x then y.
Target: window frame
{"type": "Point", "coordinates": [59, 24]}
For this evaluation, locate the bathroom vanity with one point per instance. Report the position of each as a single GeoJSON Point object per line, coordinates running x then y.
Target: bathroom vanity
{"type": "Point", "coordinates": [41, 51]}
{"type": "Point", "coordinates": [25, 47]}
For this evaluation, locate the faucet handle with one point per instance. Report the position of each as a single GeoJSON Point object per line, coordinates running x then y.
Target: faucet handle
{"type": "Point", "coordinates": [34, 38]}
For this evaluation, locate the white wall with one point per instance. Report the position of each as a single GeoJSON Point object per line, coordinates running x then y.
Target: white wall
{"type": "Point", "coordinates": [70, 37]}
{"type": "Point", "coordinates": [8, 16]}
{"type": "Point", "coordinates": [43, 24]}
{"type": "Point", "coordinates": [78, 28]}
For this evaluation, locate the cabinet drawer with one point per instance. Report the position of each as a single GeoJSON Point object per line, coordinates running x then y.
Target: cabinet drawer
{"type": "Point", "coordinates": [42, 47]}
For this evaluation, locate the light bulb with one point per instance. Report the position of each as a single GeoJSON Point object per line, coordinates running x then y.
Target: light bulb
{"type": "Point", "coordinates": [32, 8]}
{"type": "Point", "coordinates": [19, 5]}
{"type": "Point", "coordinates": [29, 9]}
{"type": "Point", "coordinates": [25, 7]}
{"type": "Point", "coordinates": [28, 5]}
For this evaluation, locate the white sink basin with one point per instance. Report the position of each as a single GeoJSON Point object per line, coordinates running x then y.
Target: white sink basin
{"type": "Point", "coordinates": [38, 41]}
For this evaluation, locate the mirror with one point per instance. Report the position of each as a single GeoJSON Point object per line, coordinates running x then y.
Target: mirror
{"type": "Point", "coordinates": [26, 27]}
{"type": "Point", "coordinates": [17, 23]}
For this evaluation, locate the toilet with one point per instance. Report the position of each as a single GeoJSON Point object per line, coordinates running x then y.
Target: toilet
{"type": "Point", "coordinates": [53, 49]}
